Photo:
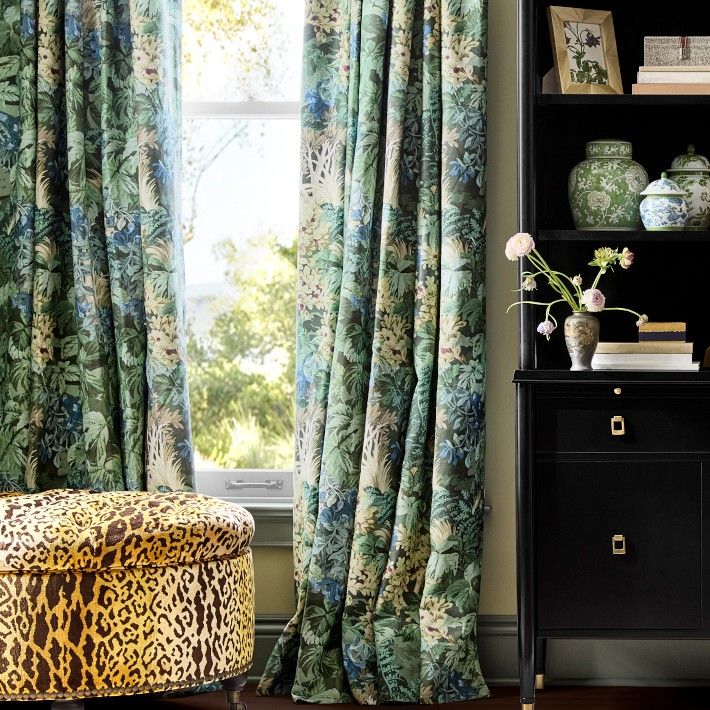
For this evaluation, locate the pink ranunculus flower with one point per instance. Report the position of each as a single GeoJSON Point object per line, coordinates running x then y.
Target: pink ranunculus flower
{"type": "Point", "coordinates": [546, 328]}
{"type": "Point", "coordinates": [519, 245]}
{"type": "Point", "coordinates": [626, 259]}
{"type": "Point", "coordinates": [643, 319]}
{"type": "Point", "coordinates": [594, 300]}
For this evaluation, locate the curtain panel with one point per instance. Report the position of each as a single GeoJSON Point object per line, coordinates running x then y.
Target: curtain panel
{"type": "Point", "coordinates": [391, 355]}
{"type": "Point", "coordinates": [93, 389]}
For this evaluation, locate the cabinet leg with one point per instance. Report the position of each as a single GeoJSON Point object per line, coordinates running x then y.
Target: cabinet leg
{"type": "Point", "coordinates": [540, 662]}
{"type": "Point", "coordinates": [525, 544]}
{"type": "Point", "coordinates": [526, 660]}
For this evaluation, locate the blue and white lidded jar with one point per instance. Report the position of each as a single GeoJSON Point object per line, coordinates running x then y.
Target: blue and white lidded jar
{"type": "Point", "coordinates": [664, 207]}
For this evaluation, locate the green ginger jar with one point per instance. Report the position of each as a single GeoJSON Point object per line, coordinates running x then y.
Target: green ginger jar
{"type": "Point", "coordinates": [691, 172]}
{"type": "Point", "coordinates": [605, 189]}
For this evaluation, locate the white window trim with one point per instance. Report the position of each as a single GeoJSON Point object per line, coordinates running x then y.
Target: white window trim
{"type": "Point", "coordinates": [242, 109]}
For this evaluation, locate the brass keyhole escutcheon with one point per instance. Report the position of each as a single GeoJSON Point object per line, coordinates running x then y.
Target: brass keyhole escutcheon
{"type": "Point", "coordinates": [618, 426]}
{"type": "Point", "coordinates": [618, 545]}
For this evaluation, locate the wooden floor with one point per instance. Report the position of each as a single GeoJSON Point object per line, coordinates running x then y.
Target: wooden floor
{"type": "Point", "coordinates": [503, 698]}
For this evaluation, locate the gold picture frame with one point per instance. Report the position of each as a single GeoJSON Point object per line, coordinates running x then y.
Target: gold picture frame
{"type": "Point", "coordinates": [584, 47]}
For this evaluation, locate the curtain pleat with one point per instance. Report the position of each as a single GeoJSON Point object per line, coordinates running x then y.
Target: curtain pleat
{"type": "Point", "coordinates": [391, 365]}
{"type": "Point", "coordinates": [92, 363]}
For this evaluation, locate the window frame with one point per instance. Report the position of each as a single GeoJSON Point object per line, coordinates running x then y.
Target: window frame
{"type": "Point", "coordinates": [246, 111]}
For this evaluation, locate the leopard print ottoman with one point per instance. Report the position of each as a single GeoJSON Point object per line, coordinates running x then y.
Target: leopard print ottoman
{"type": "Point", "coordinates": [107, 594]}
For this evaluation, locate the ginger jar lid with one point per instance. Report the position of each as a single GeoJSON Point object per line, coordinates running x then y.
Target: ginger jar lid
{"type": "Point", "coordinates": [664, 188]}
{"type": "Point", "coordinates": [690, 162]}
{"type": "Point", "coordinates": [608, 148]}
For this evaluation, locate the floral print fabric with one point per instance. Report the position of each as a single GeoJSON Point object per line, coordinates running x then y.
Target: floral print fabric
{"type": "Point", "coordinates": [92, 361]}
{"type": "Point", "coordinates": [391, 358]}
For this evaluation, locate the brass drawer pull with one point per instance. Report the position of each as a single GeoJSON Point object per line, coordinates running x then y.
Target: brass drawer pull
{"type": "Point", "coordinates": [618, 545]}
{"type": "Point", "coordinates": [618, 427]}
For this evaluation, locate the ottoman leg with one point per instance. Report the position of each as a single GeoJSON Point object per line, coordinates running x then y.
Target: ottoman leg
{"type": "Point", "coordinates": [67, 705]}
{"type": "Point", "coordinates": [233, 687]}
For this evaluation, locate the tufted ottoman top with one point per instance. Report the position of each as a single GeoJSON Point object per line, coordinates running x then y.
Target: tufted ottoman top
{"type": "Point", "coordinates": [64, 530]}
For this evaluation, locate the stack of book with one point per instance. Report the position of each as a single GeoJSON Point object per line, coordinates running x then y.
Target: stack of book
{"type": "Point", "coordinates": [673, 80]}
{"type": "Point", "coordinates": [674, 65]}
{"type": "Point", "coordinates": [661, 346]}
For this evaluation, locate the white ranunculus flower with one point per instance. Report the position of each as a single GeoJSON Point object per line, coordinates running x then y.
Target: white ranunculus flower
{"type": "Point", "coordinates": [519, 245]}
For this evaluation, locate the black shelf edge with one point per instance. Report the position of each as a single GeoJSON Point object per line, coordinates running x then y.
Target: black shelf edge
{"type": "Point", "coordinates": [610, 376]}
{"type": "Point", "coordinates": [613, 236]}
{"type": "Point", "coordinates": [622, 100]}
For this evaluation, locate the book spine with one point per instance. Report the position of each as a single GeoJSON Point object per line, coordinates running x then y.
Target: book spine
{"type": "Point", "coordinates": [675, 68]}
{"type": "Point", "coordinates": [660, 335]}
{"type": "Point", "coordinates": [611, 360]}
{"type": "Point", "coordinates": [677, 77]}
{"type": "Point", "coordinates": [650, 347]}
{"type": "Point", "coordinates": [670, 88]}
{"type": "Point", "coordinates": [692, 367]}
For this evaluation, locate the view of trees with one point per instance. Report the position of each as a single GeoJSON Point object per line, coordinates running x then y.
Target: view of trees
{"type": "Point", "coordinates": [241, 374]}
{"type": "Point", "coordinates": [241, 340]}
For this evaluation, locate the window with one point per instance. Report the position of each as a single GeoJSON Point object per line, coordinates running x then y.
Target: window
{"type": "Point", "coordinates": [241, 86]}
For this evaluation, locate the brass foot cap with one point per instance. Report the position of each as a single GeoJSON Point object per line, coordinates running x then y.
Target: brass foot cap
{"type": "Point", "coordinates": [528, 706]}
{"type": "Point", "coordinates": [540, 681]}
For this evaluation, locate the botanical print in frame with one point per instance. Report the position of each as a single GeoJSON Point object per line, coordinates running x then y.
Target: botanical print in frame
{"type": "Point", "coordinates": [585, 53]}
{"type": "Point", "coordinates": [584, 47]}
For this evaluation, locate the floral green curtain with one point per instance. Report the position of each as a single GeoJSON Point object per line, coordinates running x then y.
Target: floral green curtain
{"type": "Point", "coordinates": [391, 359]}
{"type": "Point", "coordinates": [93, 386]}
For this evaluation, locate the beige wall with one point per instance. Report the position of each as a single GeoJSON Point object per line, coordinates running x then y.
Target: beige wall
{"type": "Point", "coordinates": [498, 571]}
{"type": "Point", "coordinates": [274, 571]}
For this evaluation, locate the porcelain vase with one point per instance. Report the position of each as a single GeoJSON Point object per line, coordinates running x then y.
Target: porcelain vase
{"type": "Point", "coordinates": [691, 172]}
{"type": "Point", "coordinates": [664, 207]}
{"type": "Point", "coordinates": [605, 189]}
{"type": "Point", "coordinates": [581, 338]}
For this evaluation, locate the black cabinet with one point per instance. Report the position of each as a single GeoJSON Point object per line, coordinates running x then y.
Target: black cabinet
{"type": "Point", "coordinates": [613, 508]}
{"type": "Point", "coordinates": [618, 545]}
{"type": "Point", "coordinates": [613, 468]}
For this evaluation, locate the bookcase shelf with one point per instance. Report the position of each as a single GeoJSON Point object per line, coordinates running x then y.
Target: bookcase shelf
{"type": "Point", "coordinates": [613, 237]}
{"type": "Point", "coordinates": [562, 100]}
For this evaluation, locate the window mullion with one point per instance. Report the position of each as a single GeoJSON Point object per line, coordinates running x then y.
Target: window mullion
{"type": "Point", "coordinates": [241, 109]}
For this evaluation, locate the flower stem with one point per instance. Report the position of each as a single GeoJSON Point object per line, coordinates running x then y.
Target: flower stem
{"type": "Point", "coordinates": [626, 310]}
{"type": "Point", "coordinates": [530, 303]}
{"type": "Point", "coordinates": [539, 262]}
{"type": "Point", "coordinates": [549, 315]}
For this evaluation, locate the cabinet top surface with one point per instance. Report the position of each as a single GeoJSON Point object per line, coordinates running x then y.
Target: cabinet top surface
{"type": "Point", "coordinates": [611, 376]}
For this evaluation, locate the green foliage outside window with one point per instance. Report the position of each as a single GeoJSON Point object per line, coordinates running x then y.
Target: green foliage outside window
{"type": "Point", "coordinates": [241, 373]}
{"type": "Point", "coordinates": [241, 364]}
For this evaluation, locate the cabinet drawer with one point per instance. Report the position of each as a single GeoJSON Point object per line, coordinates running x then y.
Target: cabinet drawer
{"type": "Point", "coordinates": [595, 419]}
{"type": "Point", "coordinates": [656, 507]}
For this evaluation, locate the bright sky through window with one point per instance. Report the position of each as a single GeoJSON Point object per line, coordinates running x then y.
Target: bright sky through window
{"type": "Point", "coordinates": [240, 223]}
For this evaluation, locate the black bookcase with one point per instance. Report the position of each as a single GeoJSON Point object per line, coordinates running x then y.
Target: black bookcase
{"type": "Point", "coordinates": [578, 484]}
